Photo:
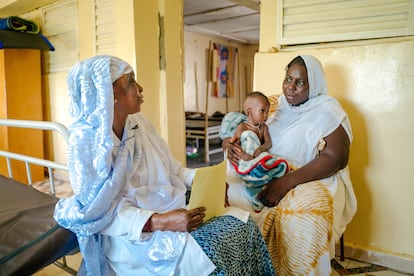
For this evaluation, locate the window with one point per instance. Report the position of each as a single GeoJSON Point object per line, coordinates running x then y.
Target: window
{"type": "Point", "coordinates": [314, 21]}
{"type": "Point", "coordinates": [60, 27]}
{"type": "Point", "coordinates": [105, 27]}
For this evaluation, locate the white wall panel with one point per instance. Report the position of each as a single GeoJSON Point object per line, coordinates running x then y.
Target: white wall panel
{"type": "Point", "coordinates": [60, 27]}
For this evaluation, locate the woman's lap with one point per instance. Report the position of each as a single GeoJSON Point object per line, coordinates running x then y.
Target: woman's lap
{"type": "Point", "coordinates": [235, 247]}
{"type": "Point", "coordinates": [298, 230]}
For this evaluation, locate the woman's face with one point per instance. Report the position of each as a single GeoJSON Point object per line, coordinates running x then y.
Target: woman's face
{"type": "Point", "coordinates": [295, 84]}
{"type": "Point", "coordinates": [127, 94]}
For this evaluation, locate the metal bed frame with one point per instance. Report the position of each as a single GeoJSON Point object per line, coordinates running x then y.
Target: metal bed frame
{"type": "Point", "coordinates": [50, 165]}
{"type": "Point", "coordinates": [206, 130]}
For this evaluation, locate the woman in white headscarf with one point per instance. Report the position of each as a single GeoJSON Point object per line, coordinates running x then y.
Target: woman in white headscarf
{"type": "Point", "coordinates": [307, 209]}
{"type": "Point", "coordinates": [128, 209]}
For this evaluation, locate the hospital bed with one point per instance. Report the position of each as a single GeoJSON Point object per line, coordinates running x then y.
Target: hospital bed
{"type": "Point", "coordinates": [30, 238]}
{"type": "Point", "coordinates": [197, 127]}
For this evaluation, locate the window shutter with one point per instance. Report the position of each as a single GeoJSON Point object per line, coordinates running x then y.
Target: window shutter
{"type": "Point", "coordinates": [60, 27]}
{"type": "Point", "coordinates": [313, 21]}
{"type": "Point", "coordinates": [105, 27]}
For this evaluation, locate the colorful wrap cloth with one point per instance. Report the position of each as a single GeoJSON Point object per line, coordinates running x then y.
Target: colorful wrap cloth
{"type": "Point", "coordinates": [14, 23]}
{"type": "Point", "coordinates": [240, 251]}
{"type": "Point", "coordinates": [258, 171]}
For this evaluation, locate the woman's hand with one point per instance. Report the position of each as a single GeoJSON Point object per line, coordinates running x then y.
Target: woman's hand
{"type": "Point", "coordinates": [180, 220]}
{"type": "Point", "coordinates": [234, 152]}
{"type": "Point", "coordinates": [273, 192]}
{"type": "Point", "coordinates": [332, 158]}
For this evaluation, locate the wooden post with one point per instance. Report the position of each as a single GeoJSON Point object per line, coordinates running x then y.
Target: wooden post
{"type": "Point", "coordinates": [206, 140]}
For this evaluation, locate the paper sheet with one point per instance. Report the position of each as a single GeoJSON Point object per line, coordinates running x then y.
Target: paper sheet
{"type": "Point", "coordinates": [209, 189]}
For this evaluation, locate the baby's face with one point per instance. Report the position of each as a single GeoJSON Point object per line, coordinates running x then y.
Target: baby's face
{"type": "Point", "coordinates": [257, 110]}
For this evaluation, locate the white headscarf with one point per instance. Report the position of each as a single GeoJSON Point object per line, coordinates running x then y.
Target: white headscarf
{"type": "Point", "coordinates": [296, 130]}
{"type": "Point", "coordinates": [317, 87]}
{"type": "Point", "coordinates": [96, 182]}
{"type": "Point", "coordinates": [316, 77]}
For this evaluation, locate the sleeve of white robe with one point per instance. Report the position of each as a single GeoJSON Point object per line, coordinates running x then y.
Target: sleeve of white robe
{"type": "Point", "coordinates": [187, 176]}
{"type": "Point", "coordinates": [129, 221]}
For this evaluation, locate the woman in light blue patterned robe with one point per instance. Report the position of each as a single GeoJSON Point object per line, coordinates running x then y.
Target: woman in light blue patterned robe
{"type": "Point", "coordinates": [128, 209]}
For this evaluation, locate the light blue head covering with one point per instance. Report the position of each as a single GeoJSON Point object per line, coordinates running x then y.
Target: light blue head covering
{"type": "Point", "coordinates": [92, 79]}
{"type": "Point", "coordinates": [91, 107]}
{"type": "Point", "coordinates": [96, 182]}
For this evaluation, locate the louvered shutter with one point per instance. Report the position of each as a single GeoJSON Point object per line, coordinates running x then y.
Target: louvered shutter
{"type": "Point", "coordinates": [60, 27]}
{"type": "Point", "coordinates": [105, 27]}
{"type": "Point", "coordinates": [313, 21]}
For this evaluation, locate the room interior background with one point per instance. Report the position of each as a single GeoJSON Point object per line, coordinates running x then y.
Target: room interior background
{"type": "Point", "coordinates": [371, 77]}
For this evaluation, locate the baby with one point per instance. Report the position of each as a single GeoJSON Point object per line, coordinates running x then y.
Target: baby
{"type": "Point", "coordinates": [256, 166]}
{"type": "Point", "coordinates": [253, 133]}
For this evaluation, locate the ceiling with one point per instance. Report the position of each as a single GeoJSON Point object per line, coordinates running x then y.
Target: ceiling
{"type": "Point", "coordinates": [232, 19]}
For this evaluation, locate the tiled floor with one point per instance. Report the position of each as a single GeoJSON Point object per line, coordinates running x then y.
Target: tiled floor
{"type": "Point", "coordinates": [348, 267]}
{"type": "Point", "coordinates": [196, 159]}
{"type": "Point", "coordinates": [352, 267]}
{"type": "Point", "coordinates": [72, 261]}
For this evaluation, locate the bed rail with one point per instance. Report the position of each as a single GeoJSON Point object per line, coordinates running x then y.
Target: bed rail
{"type": "Point", "coordinates": [50, 165]}
{"type": "Point", "coordinates": [54, 126]}
{"type": "Point", "coordinates": [28, 160]}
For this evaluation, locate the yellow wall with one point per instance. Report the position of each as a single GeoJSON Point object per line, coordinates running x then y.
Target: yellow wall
{"type": "Point", "coordinates": [140, 39]}
{"type": "Point", "coordinates": [171, 94]}
{"type": "Point", "coordinates": [137, 42]}
{"type": "Point", "coordinates": [374, 81]}
{"type": "Point", "coordinates": [162, 78]}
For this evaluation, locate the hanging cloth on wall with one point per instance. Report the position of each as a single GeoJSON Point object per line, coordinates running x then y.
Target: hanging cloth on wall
{"type": "Point", "coordinates": [223, 70]}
